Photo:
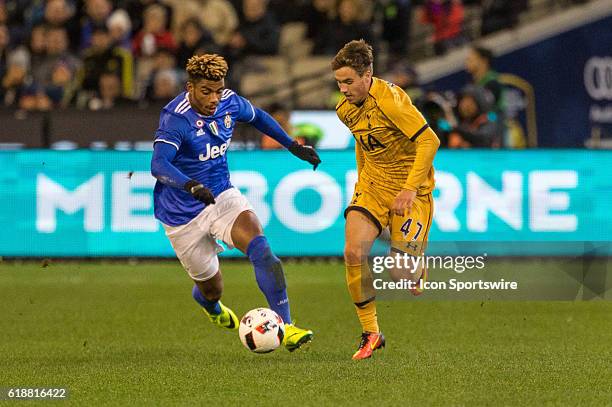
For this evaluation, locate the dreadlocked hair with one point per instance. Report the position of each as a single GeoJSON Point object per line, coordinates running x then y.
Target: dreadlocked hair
{"type": "Point", "coordinates": [211, 67]}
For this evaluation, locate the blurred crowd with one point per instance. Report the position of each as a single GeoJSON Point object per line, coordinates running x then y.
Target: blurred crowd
{"type": "Point", "coordinates": [102, 54]}
{"type": "Point", "coordinates": [98, 54]}
{"type": "Point", "coordinates": [476, 116]}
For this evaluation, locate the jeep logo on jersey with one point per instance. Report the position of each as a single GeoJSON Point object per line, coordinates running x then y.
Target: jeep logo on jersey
{"type": "Point", "coordinates": [214, 151]}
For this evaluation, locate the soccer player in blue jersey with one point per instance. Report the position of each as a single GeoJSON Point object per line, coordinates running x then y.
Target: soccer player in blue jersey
{"type": "Point", "coordinates": [196, 202]}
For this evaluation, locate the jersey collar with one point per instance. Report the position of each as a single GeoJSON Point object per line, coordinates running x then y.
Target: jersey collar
{"type": "Point", "coordinates": [373, 91]}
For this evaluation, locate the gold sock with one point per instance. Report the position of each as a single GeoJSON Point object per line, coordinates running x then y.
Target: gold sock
{"type": "Point", "coordinates": [358, 279]}
{"type": "Point", "coordinates": [353, 281]}
{"type": "Point", "coordinates": [367, 316]}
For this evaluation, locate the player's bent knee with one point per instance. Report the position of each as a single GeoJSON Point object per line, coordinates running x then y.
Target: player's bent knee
{"type": "Point", "coordinates": [353, 254]}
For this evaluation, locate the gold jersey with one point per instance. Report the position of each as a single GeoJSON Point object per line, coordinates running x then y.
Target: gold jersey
{"type": "Point", "coordinates": [393, 143]}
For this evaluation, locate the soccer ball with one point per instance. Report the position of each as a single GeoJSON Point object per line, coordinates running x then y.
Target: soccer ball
{"type": "Point", "coordinates": [261, 330]}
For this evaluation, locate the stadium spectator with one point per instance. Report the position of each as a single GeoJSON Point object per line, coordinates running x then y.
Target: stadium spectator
{"type": "Point", "coordinates": [349, 25]}
{"type": "Point", "coordinates": [194, 38]}
{"type": "Point", "coordinates": [500, 14]}
{"type": "Point", "coordinates": [446, 17]}
{"type": "Point", "coordinates": [37, 49]}
{"type": "Point", "coordinates": [136, 8]}
{"type": "Point", "coordinates": [217, 16]}
{"type": "Point", "coordinates": [163, 60]}
{"type": "Point", "coordinates": [152, 37]}
{"type": "Point", "coordinates": [33, 96]}
{"type": "Point", "coordinates": [57, 53]}
{"type": "Point", "coordinates": [13, 70]}
{"type": "Point", "coordinates": [478, 64]}
{"type": "Point", "coordinates": [15, 79]}
{"type": "Point", "coordinates": [108, 93]}
{"type": "Point", "coordinates": [258, 32]}
{"type": "Point", "coordinates": [96, 14]}
{"type": "Point", "coordinates": [438, 111]}
{"type": "Point", "coordinates": [165, 86]}
{"type": "Point", "coordinates": [57, 69]}
{"type": "Point", "coordinates": [396, 25]}
{"type": "Point", "coordinates": [319, 17]}
{"type": "Point", "coordinates": [63, 83]}
{"type": "Point", "coordinates": [120, 28]}
{"type": "Point", "coordinates": [60, 13]}
{"type": "Point", "coordinates": [14, 17]}
{"type": "Point", "coordinates": [283, 116]}
{"type": "Point", "coordinates": [403, 75]}
{"type": "Point", "coordinates": [103, 57]}
{"type": "Point", "coordinates": [153, 34]}
{"type": "Point", "coordinates": [478, 125]}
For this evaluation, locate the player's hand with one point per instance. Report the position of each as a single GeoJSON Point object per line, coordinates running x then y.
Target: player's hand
{"type": "Point", "coordinates": [199, 192]}
{"type": "Point", "coordinates": [403, 202]}
{"type": "Point", "coordinates": [305, 153]}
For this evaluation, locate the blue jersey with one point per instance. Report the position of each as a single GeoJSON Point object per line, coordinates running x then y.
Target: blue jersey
{"type": "Point", "coordinates": [201, 143]}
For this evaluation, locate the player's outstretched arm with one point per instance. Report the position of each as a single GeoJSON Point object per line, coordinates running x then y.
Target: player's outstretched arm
{"type": "Point", "coordinates": [166, 173]}
{"type": "Point", "coordinates": [267, 125]}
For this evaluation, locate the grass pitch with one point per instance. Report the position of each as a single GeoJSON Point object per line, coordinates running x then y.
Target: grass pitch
{"type": "Point", "coordinates": [119, 334]}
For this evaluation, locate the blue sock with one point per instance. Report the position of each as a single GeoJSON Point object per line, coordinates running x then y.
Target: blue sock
{"type": "Point", "coordinates": [270, 277]}
{"type": "Point", "coordinates": [211, 307]}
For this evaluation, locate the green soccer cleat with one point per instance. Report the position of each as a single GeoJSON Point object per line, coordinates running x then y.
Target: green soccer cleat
{"type": "Point", "coordinates": [226, 319]}
{"type": "Point", "coordinates": [296, 337]}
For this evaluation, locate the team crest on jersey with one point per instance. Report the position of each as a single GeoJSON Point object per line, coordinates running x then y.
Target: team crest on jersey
{"type": "Point", "coordinates": [213, 127]}
{"type": "Point", "coordinates": [227, 121]}
{"type": "Point", "coordinates": [200, 123]}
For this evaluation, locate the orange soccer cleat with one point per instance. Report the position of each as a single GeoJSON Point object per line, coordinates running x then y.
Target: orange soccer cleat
{"type": "Point", "coordinates": [369, 343]}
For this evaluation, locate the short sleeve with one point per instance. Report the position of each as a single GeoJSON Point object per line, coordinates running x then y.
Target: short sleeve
{"type": "Point", "coordinates": [245, 110]}
{"type": "Point", "coordinates": [169, 130]}
{"type": "Point", "coordinates": [398, 107]}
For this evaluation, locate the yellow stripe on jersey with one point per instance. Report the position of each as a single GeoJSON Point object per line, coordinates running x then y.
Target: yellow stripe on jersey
{"type": "Point", "coordinates": [396, 143]}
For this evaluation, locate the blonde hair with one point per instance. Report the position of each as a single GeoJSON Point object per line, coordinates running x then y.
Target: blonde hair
{"type": "Point", "coordinates": [211, 67]}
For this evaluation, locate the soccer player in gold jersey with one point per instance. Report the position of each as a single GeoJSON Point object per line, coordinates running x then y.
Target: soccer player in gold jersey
{"type": "Point", "coordinates": [394, 149]}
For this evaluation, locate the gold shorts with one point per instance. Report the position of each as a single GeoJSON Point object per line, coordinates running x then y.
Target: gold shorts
{"type": "Point", "coordinates": [409, 233]}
